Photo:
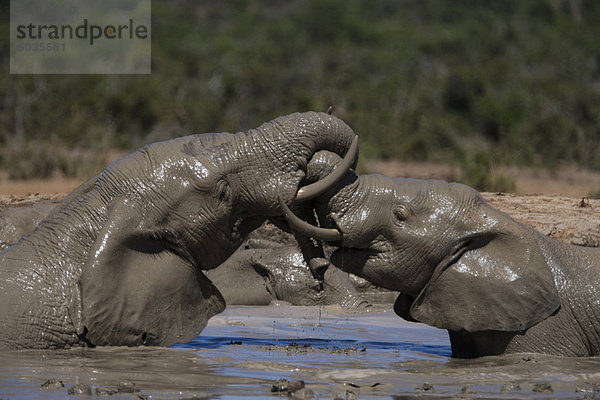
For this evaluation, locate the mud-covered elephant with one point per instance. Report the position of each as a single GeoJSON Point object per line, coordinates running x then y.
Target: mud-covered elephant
{"type": "Point", "coordinates": [120, 260]}
{"type": "Point", "coordinates": [497, 286]}
{"type": "Point", "coordinates": [265, 271]}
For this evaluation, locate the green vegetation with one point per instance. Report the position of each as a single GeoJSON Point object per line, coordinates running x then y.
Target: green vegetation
{"type": "Point", "coordinates": [439, 80]}
{"type": "Point", "coordinates": [478, 170]}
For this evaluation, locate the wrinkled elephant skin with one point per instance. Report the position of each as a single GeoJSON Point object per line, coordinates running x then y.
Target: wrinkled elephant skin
{"type": "Point", "coordinates": [497, 286]}
{"type": "Point", "coordinates": [259, 276]}
{"type": "Point", "coordinates": [120, 260]}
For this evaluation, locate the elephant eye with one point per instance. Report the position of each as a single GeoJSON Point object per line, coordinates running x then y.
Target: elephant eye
{"type": "Point", "coordinates": [401, 213]}
{"type": "Point", "coordinates": [223, 190]}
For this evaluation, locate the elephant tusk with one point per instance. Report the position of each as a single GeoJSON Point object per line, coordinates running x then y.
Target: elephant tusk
{"type": "Point", "coordinates": [315, 189]}
{"type": "Point", "coordinates": [326, 234]}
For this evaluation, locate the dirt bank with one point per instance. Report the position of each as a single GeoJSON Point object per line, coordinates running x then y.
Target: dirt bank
{"type": "Point", "coordinates": [38, 186]}
{"type": "Point", "coordinates": [571, 219]}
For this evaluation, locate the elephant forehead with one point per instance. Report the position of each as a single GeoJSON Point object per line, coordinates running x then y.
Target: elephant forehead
{"type": "Point", "coordinates": [444, 206]}
{"type": "Point", "coordinates": [174, 162]}
{"type": "Point", "coordinates": [371, 191]}
{"type": "Point", "coordinates": [178, 169]}
{"type": "Point", "coordinates": [296, 259]}
{"type": "Point", "coordinates": [416, 188]}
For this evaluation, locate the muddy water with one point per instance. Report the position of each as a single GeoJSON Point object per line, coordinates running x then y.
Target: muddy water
{"type": "Point", "coordinates": [245, 350]}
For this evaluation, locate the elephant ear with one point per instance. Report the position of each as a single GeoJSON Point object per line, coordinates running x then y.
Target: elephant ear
{"type": "Point", "coordinates": [402, 307]}
{"type": "Point", "coordinates": [502, 284]}
{"type": "Point", "coordinates": [134, 290]}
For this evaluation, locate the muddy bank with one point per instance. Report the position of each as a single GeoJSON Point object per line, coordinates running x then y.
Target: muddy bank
{"type": "Point", "coordinates": [570, 219]}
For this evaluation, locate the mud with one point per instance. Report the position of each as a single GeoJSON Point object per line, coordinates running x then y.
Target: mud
{"type": "Point", "coordinates": [572, 220]}
{"type": "Point", "coordinates": [246, 352]}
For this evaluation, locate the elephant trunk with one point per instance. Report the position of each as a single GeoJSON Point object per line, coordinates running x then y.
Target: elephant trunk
{"type": "Point", "coordinates": [356, 304]}
{"type": "Point", "coordinates": [339, 171]}
{"type": "Point", "coordinates": [298, 225]}
{"type": "Point", "coordinates": [320, 131]}
{"type": "Point", "coordinates": [337, 175]}
{"type": "Point", "coordinates": [338, 284]}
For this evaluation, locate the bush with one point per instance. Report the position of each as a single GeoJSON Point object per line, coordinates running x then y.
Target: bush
{"type": "Point", "coordinates": [417, 80]}
{"type": "Point", "coordinates": [478, 171]}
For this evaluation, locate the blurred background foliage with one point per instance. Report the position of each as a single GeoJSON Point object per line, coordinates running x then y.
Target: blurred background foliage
{"type": "Point", "coordinates": [464, 82]}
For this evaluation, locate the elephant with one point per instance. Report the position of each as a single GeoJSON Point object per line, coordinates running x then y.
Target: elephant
{"type": "Point", "coordinates": [497, 286]}
{"type": "Point", "coordinates": [265, 271]}
{"type": "Point", "coordinates": [120, 260]}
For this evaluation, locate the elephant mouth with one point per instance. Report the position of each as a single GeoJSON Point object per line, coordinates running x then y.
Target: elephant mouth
{"type": "Point", "coordinates": [355, 260]}
{"type": "Point", "coordinates": [351, 253]}
{"type": "Point", "coordinates": [369, 264]}
{"type": "Point", "coordinates": [375, 247]}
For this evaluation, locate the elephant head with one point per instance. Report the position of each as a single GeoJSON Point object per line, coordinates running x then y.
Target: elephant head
{"type": "Point", "coordinates": [265, 271]}
{"type": "Point", "coordinates": [202, 194]}
{"type": "Point", "coordinates": [459, 264]}
{"type": "Point", "coordinates": [198, 198]}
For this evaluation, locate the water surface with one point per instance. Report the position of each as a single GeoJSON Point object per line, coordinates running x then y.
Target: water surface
{"type": "Point", "coordinates": [245, 350]}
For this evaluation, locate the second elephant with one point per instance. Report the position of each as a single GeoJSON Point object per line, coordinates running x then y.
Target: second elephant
{"type": "Point", "coordinates": [497, 286]}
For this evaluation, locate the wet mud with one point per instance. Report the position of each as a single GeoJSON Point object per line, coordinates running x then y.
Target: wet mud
{"type": "Point", "coordinates": [297, 352]}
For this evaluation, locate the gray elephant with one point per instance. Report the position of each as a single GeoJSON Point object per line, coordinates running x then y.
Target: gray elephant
{"type": "Point", "coordinates": [264, 272]}
{"type": "Point", "coordinates": [120, 260]}
{"type": "Point", "coordinates": [497, 286]}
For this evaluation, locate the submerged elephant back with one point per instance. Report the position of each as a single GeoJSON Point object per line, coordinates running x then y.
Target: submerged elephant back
{"type": "Point", "coordinates": [293, 282]}
{"type": "Point", "coordinates": [240, 282]}
{"type": "Point", "coordinates": [340, 285]}
{"type": "Point", "coordinates": [16, 222]}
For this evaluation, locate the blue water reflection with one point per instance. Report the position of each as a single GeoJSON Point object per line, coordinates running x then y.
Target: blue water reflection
{"type": "Point", "coordinates": [317, 329]}
{"type": "Point", "coordinates": [219, 342]}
